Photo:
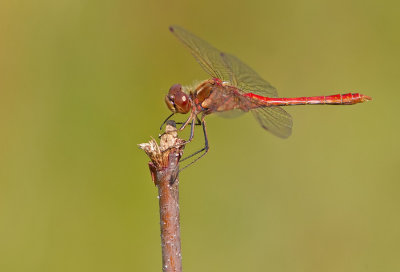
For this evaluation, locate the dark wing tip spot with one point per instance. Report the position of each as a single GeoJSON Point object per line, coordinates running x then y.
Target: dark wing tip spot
{"type": "Point", "coordinates": [222, 54]}
{"type": "Point", "coordinates": [171, 28]}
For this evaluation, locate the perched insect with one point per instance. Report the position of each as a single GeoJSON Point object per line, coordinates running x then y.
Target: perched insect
{"type": "Point", "coordinates": [235, 86]}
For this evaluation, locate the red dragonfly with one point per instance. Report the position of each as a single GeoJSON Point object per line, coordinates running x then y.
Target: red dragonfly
{"type": "Point", "coordinates": [235, 86]}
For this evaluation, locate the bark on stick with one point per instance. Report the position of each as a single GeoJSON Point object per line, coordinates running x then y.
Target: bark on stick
{"type": "Point", "coordinates": [164, 169]}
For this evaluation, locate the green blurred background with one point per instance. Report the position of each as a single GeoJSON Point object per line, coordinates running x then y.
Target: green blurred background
{"type": "Point", "coordinates": [83, 82]}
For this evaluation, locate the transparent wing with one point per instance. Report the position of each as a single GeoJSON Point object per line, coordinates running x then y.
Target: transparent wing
{"type": "Point", "coordinates": [206, 55]}
{"type": "Point", "coordinates": [246, 79]}
{"type": "Point", "coordinates": [224, 66]}
{"type": "Point", "coordinates": [230, 114]}
{"type": "Point", "coordinates": [229, 68]}
{"type": "Point", "coordinates": [274, 119]}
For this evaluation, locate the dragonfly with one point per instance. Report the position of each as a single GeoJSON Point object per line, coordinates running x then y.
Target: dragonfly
{"type": "Point", "coordinates": [234, 86]}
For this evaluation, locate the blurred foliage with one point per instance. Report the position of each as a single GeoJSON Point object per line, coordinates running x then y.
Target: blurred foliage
{"type": "Point", "coordinates": [83, 82]}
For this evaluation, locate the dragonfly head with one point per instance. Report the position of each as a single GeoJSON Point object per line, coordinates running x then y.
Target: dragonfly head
{"type": "Point", "coordinates": [177, 100]}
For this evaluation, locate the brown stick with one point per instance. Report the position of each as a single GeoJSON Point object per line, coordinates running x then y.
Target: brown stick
{"type": "Point", "coordinates": [164, 168]}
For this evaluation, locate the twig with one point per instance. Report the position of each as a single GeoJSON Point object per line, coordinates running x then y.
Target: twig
{"type": "Point", "coordinates": [164, 169]}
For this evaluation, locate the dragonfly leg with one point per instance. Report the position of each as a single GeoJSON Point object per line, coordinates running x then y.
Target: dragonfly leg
{"type": "Point", "coordinates": [191, 118]}
{"type": "Point", "coordinates": [204, 149]}
{"type": "Point", "coordinates": [192, 125]}
{"type": "Point", "coordinates": [166, 120]}
{"type": "Point", "coordinates": [198, 123]}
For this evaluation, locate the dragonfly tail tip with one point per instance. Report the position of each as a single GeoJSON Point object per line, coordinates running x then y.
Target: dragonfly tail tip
{"type": "Point", "coordinates": [365, 98]}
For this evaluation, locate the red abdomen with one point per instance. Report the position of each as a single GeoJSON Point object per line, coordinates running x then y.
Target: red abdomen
{"type": "Point", "coordinates": [336, 99]}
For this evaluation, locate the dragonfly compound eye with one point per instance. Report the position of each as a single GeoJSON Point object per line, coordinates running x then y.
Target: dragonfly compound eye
{"type": "Point", "coordinates": [177, 100]}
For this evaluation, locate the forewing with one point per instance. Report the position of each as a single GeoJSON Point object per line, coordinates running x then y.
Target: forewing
{"type": "Point", "coordinates": [206, 55]}
{"type": "Point", "coordinates": [274, 119]}
{"type": "Point", "coordinates": [224, 66]}
{"type": "Point", "coordinates": [229, 68]}
{"type": "Point", "coordinates": [247, 79]}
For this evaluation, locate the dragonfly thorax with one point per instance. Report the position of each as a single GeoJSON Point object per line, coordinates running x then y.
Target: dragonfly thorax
{"type": "Point", "coordinates": [203, 91]}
